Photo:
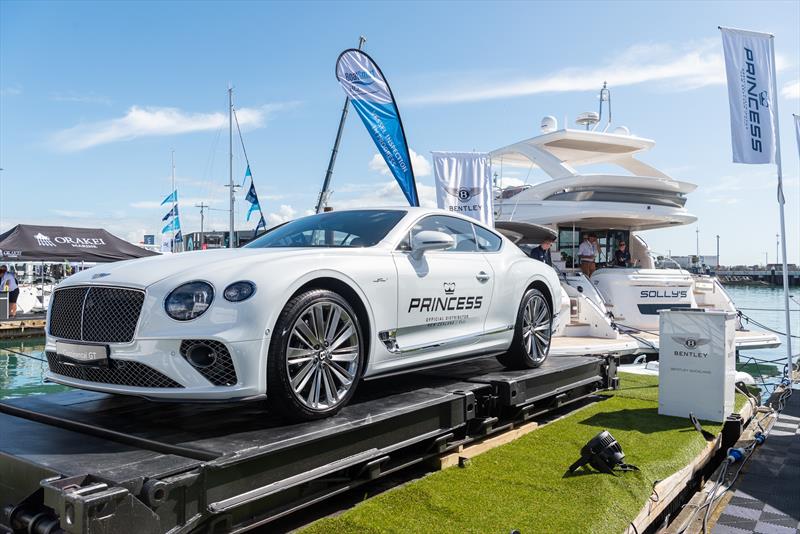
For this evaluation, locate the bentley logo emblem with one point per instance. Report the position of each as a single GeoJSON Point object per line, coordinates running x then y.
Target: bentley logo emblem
{"type": "Point", "coordinates": [43, 241]}
{"type": "Point", "coordinates": [449, 288]}
{"type": "Point", "coordinates": [463, 194]}
{"type": "Point", "coordinates": [100, 275]}
{"type": "Point", "coordinates": [691, 342]}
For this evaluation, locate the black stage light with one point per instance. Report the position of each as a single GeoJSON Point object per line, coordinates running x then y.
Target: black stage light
{"type": "Point", "coordinates": [603, 453]}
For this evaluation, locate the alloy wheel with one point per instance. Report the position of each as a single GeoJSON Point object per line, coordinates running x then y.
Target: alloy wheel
{"type": "Point", "coordinates": [323, 355]}
{"type": "Point", "coordinates": [536, 328]}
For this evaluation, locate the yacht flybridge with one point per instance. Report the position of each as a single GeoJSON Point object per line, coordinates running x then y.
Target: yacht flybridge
{"type": "Point", "coordinates": [625, 196]}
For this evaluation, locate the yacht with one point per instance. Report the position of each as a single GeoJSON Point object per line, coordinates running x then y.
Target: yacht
{"type": "Point", "coordinates": [595, 183]}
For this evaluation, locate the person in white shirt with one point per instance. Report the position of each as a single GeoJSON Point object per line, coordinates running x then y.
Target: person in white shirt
{"type": "Point", "coordinates": [587, 251]}
{"type": "Point", "coordinates": [9, 283]}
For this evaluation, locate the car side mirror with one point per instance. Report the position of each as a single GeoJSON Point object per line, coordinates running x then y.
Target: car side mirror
{"type": "Point", "coordinates": [427, 240]}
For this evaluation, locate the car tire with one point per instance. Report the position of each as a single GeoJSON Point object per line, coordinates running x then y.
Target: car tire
{"type": "Point", "coordinates": [314, 365]}
{"type": "Point", "coordinates": [532, 333]}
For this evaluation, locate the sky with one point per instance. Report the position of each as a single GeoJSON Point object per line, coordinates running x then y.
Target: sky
{"type": "Point", "coordinates": [95, 96]}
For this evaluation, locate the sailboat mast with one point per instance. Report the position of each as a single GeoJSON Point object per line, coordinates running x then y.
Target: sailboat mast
{"type": "Point", "coordinates": [232, 234]}
{"type": "Point", "coordinates": [327, 182]}
{"type": "Point", "coordinates": [174, 200]}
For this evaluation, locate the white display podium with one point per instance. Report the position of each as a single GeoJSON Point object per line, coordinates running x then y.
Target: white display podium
{"type": "Point", "coordinates": [697, 358]}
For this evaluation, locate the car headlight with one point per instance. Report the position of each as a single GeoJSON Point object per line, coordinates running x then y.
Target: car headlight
{"type": "Point", "coordinates": [239, 291]}
{"type": "Point", "coordinates": [189, 301]}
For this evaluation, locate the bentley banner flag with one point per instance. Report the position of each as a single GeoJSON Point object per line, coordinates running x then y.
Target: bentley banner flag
{"type": "Point", "coordinates": [463, 184]}
{"type": "Point", "coordinates": [370, 94]}
{"type": "Point", "coordinates": [750, 66]}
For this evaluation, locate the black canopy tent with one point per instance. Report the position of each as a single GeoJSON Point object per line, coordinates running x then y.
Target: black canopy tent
{"type": "Point", "coordinates": [27, 242]}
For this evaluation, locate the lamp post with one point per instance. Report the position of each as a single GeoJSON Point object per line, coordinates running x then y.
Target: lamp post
{"type": "Point", "coordinates": [697, 251]}
{"type": "Point", "coordinates": [717, 251]}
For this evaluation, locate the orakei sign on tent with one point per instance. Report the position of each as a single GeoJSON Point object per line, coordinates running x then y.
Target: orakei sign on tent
{"type": "Point", "coordinates": [27, 242]}
{"type": "Point", "coordinates": [370, 94]}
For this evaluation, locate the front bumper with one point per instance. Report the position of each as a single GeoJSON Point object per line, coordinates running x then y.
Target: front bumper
{"type": "Point", "coordinates": [164, 357]}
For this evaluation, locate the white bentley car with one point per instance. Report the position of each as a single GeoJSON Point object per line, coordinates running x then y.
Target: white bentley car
{"type": "Point", "coordinates": [304, 312]}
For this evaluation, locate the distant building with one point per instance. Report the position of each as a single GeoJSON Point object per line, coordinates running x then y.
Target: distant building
{"type": "Point", "coordinates": [687, 262]}
{"type": "Point", "coordinates": [212, 239]}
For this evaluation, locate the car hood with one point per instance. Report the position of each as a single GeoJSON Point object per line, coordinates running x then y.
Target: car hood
{"type": "Point", "coordinates": [144, 272]}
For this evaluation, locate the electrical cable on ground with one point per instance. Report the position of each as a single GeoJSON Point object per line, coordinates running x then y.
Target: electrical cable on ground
{"type": "Point", "coordinates": [741, 456]}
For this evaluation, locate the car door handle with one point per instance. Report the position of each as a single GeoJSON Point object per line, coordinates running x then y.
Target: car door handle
{"type": "Point", "coordinates": [482, 277]}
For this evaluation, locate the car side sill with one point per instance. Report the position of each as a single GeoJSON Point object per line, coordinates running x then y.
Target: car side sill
{"type": "Point", "coordinates": [431, 365]}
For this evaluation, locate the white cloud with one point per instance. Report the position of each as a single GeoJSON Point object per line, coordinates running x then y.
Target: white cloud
{"type": "Point", "coordinates": [386, 194]}
{"type": "Point", "coordinates": [284, 213]}
{"type": "Point", "coordinates": [155, 121]}
{"type": "Point", "coordinates": [73, 214]}
{"type": "Point", "coordinates": [421, 166]}
{"type": "Point", "coordinates": [791, 90]}
{"type": "Point", "coordinates": [12, 90]}
{"type": "Point", "coordinates": [694, 66]}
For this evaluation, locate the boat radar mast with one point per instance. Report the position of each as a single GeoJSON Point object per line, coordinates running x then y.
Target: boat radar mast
{"type": "Point", "coordinates": [589, 119]}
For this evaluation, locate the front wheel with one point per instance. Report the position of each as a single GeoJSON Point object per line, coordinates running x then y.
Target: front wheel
{"type": "Point", "coordinates": [315, 356]}
{"type": "Point", "coordinates": [532, 333]}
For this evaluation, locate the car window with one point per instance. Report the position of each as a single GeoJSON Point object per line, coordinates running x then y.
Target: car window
{"type": "Point", "coordinates": [460, 229]}
{"type": "Point", "coordinates": [357, 228]}
{"type": "Point", "coordinates": [487, 241]}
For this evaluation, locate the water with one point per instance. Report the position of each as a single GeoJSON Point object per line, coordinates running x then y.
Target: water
{"type": "Point", "coordinates": [754, 301]}
{"type": "Point", "coordinates": [21, 376]}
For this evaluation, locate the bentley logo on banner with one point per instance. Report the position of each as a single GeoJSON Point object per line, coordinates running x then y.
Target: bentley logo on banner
{"type": "Point", "coordinates": [463, 184]}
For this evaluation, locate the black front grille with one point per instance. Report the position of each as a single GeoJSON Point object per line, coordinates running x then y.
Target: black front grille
{"type": "Point", "coordinates": [221, 372]}
{"type": "Point", "coordinates": [119, 372]}
{"type": "Point", "coordinates": [95, 313]}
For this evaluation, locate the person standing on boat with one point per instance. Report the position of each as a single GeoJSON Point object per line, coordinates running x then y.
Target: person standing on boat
{"type": "Point", "coordinates": [622, 258]}
{"type": "Point", "coordinates": [587, 252]}
{"type": "Point", "coordinates": [542, 252]}
{"type": "Point", "coordinates": [9, 283]}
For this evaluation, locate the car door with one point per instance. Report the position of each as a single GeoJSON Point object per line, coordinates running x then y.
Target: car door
{"type": "Point", "coordinates": [443, 295]}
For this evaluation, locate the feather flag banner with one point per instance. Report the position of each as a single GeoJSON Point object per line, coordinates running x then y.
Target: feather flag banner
{"type": "Point", "coordinates": [369, 92]}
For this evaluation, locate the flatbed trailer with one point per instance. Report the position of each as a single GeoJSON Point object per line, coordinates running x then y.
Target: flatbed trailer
{"type": "Point", "coordinates": [84, 462]}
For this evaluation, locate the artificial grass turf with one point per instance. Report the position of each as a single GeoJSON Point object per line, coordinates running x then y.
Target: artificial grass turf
{"type": "Point", "coordinates": [522, 485]}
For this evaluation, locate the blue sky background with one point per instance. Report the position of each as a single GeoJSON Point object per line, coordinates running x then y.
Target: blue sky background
{"type": "Point", "coordinates": [95, 95]}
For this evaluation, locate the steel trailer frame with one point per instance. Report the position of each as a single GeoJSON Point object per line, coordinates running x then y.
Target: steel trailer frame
{"type": "Point", "coordinates": [82, 462]}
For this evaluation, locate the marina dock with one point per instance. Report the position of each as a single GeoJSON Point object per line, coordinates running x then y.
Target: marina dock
{"type": "Point", "coordinates": [766, 498]}
{"type": "Point", "coordinates": [22, 326]}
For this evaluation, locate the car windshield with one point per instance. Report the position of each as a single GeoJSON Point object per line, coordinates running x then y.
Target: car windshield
{"type": "Point", "coordinates": [357, 228]}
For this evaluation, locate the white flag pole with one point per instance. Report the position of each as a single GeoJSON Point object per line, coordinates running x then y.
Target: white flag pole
{"type": "Point", "coordinates": [755, 129]}
{"type": "Point", "coordinates": [781, 202]}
